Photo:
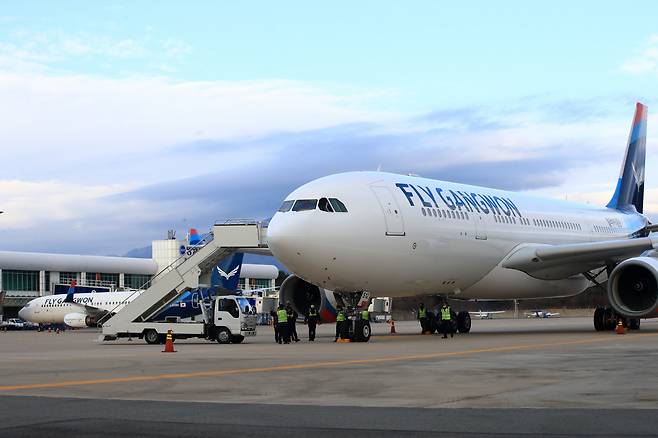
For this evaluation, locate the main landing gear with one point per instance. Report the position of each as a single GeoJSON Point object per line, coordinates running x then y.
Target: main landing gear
{"type": "Point", "coordinates": [605, 319]}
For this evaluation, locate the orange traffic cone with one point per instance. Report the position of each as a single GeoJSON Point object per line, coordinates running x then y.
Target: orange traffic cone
{"type": "Point", "coordinates": [169, 345]}
{"type": "Point", "coordinates": [392, 326]}
{"type": "Point", "coordinates": [620, 328]}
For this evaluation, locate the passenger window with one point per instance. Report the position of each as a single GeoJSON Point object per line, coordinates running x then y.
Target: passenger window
{"type": "Point", "coordinates": [305, 204]}
{"type": "Point", "coordinates": [286, 206]}
{"type": "Point", "coordinates": [338, 206]}
{"type": "Point", "coordinates": [325, 206]}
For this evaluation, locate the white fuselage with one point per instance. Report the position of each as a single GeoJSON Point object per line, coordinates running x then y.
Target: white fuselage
{"type": "Point", "coordinates": [52, 309]}
{"type": "Point", "coordinates": [405, 235]}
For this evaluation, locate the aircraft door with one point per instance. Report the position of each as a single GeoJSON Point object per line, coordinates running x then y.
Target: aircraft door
{"type": "Point", "coordinates": [391, 210]}
{"type": "Point", "coordinates": [480, 227]}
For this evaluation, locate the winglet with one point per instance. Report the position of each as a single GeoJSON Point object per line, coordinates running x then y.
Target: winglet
{"type": "Point", "coordinates": [629, 193]}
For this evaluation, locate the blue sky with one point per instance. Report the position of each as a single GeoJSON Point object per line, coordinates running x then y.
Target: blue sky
{"type": "Point", "coordinates": [123, 119]}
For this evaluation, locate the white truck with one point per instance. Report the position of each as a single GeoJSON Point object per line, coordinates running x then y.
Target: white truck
{"type": "Point", "coordinates": [226, 319]}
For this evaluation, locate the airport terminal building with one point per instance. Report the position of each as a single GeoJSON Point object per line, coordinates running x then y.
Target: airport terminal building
{"type": "Point", "coordinates": [25, 275]}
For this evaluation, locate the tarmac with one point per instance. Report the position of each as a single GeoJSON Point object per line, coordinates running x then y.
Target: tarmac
{"type": "Point", "coordinates": [531, 377]}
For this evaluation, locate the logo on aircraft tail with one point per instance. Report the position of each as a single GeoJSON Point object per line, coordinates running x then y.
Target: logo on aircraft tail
{"type": "Point", "coordinates": [230, 274]}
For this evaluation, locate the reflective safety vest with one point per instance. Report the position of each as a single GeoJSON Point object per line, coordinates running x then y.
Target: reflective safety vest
{"type": "Point", "coordinates": [445, 313]}
{"type": "Point", "coordinates": [340, 317]}
{"type": "Point", "coordinates": [365, 315]}
{"type": "Point", "coordinates": [282, 315]}
{"type": "Point", "coordinates": [422, 313]}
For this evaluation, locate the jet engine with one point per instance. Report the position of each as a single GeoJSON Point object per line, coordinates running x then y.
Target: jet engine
{"type": "Point", "coordinates": [301, 294]}
{"type": "Point", "coordinates": [75, 320]}
{"type": "Point", "coordinates": [79, 320]}
{"type": "Point", "coordinates": [633, 288]}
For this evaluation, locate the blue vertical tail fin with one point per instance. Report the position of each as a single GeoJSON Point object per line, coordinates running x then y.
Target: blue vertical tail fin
{"type": "Point", "coordinates": [70, 293]}
{"type": "Point", "coordinates": [226, 274]}
{"type": "Point", "coordinates": [629, 193]}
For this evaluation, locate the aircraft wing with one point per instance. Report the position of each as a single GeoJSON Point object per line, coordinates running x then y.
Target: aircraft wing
{"type": "Point", "coordinates": [90, 310]}
{"type": "Point", "coordinates": [555, 262]}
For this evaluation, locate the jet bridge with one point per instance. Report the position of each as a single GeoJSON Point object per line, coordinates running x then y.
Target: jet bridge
{"type": "Point", "coordinates": [181, 276]}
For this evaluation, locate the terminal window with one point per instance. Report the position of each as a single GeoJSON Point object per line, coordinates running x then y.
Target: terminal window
{"type": "Point", "coordinates": [67, 277]}
{"type": "Point", "coordinates": [136, 281]}
{"type": "Point", "coordinates": [20, 280]}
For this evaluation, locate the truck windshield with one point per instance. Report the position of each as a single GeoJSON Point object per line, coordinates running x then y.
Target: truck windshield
{"type": "Point", "coordinates": [245, 307]}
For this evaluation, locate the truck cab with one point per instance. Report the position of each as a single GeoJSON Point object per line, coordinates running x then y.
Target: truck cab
{"type": "Point", "coordinates": [233, 318]}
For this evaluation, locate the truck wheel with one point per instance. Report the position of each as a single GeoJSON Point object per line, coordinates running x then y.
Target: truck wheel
{"type": "Point", "coordinates": [362, 331]}
{"type": "Point", "coordinates": [151, 336]}
{"type": "Point", "coordinates": [464, 322]}
{"type": "Point", "coordinates": [236, 339]}
{"type": "Point", "coordinates": [223, 336]}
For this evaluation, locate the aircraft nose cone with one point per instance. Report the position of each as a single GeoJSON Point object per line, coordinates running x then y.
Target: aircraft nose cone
{"type": "Point", "coordinates": [278, 237]}
{"type": "Point", "coordinates": [23, 313]}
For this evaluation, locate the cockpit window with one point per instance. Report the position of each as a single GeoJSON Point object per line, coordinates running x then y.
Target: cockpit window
{"type": "Point", "coordinates": [305, 204]}
{"type": "Point", "coordinates": [337, 205]}
{"type": "Point", "coordinates": [324, 205]}
{"type": "Point", "coordinates": [286, 206]}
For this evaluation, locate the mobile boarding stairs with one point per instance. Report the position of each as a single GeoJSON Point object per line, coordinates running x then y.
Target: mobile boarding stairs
{"type": "Point", "coordinates": [181, 276]}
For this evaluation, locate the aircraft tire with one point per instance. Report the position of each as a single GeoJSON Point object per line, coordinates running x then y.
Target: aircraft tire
{"type": "Point", "coordinates": [362, 331]}
{"type": "Point", "coordinates": [432, 324]}
{"type": "Point", "coordinates": [634, 323]}
{"type": "Point", "coordinates": [151, 337]}
{"type": "Point", "coordinates": [609, 319]}
{"type": "Point", "coordinates": [464, 322]}
{"type": "Point", "coordinates": [599, 321]}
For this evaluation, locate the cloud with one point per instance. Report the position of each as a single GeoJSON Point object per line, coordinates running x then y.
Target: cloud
{"type": "Point", "coordinates": [645, 61]}
{"type": "Point", "coordinates": [118, 128]}
{"type": "Point", "coordinates": [26, 50]}
{"type": "Point", "coordinates": [114, 163]}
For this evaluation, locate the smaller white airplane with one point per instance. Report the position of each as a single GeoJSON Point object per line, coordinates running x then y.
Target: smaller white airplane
{"type": "Point", "coordinates": [486, 315]}
{"type": "Point", "coordinates": [540, 314]}
{"type": "Point", "coordinates": [76, 310]}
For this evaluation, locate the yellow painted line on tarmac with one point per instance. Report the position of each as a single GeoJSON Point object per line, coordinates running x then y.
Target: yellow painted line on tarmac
{"type": "Point", "coordinates": [327, 364]}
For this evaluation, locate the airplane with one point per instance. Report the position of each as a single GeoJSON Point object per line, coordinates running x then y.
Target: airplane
{"type": "Point", "coordinates": [540, 314]}
{"type": "Point", "coordinates": [486, 315]}
{"type": "Point", "coordinates": [79, 310]}
{"type": "Point", "coordinates": [400, 235]}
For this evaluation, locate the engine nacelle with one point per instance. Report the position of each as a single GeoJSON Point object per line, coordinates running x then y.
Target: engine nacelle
{"type": "Point", "coordinates": [301, 294]}
{"type": "Point", "coordinates": [76, 320]}
{"type": "Point", "coordinates": [633, 288]}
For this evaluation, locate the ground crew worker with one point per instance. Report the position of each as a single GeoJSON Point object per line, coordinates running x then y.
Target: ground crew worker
{"type": "Point", "coordinates": [312, 321]}
{"type": "Point", "coordinates": [292, 323]}
{"type": "Point", "coordinates": [282, 323]}
{"type": "Point", "coordinates": [340, 322]}
{"type": "Point", "coordinates": [446, 320]}
{"type": "Point", "coordinates": [275, 324]}
{"type": "Point", "coordinates": [422, 317]}
{"type": "Point", "coordinates": [365, 315]}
